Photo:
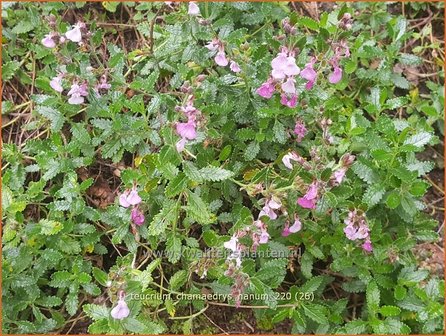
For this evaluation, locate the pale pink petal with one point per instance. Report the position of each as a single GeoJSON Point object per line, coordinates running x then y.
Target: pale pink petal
{"type": "Point", "coordinates": [133, 197]}
{"type": "Point", "coordinates": [75, 100]}
{"type": "Point", "coordinates": [193, 9]}
{"type": "Point", "coordinates": [234, 67]}
{"type": "Point", "coordinates": [296, 227]}
{"type": "Point", "coordinates": [221, 59]}
{"type": "Point", "coordinates": [306, 203]}
{"type": "Point", "coordinates": [48, 41]}
{"type": "Point", "coordinates": [264, 237]}
{"type": "Point", "coordinates": [56, 84]}
{"type": "Point", "coordinates": [180, 144]}
{"type": "Point", "coordinates": [336, 76]}
{"type": "Point", "coordinates": [288, 86]}
{"type": "Point", "coordinates": [74, 34]}
{"type": "Point", "coordinates": [123, 199]}
{"type": "Point", "coordinates": [186, 130]}
{"type": "Point", "coordinates": [231, 244]}
{"type": "Point", "coordinates": [120, 311]}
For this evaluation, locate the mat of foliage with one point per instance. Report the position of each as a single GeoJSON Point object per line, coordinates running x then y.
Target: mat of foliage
{"type": "Point", "coordinates": [270, 155]}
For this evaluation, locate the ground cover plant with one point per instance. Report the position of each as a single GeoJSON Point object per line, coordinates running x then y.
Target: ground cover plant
{"type": "Point", "coordinates": [226, 167]}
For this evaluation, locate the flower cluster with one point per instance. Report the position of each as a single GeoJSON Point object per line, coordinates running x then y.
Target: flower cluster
{"type": "Point", "coordinates": [357, 228]}
{"type": "Point", "coordinates": [187, 130]}
{"type": "Point", "coordinates": [284, 70]}
{"type": "Point", "coordinates": [220, 57]}
{"type": "Point", "coordinates": [130, 198]}
{"type": "Point", "coordinates": [300, 130]}
{"type": "Point", "coordinates": [52, 39]}
{"type": "Point", "coordinates": [341, 50]}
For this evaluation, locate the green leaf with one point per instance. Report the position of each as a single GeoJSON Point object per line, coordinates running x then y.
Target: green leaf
{"type": "Point", "coordinates": [279, 132]}
{"type": "Point", "coordinates": [393, 200]}
{"type": "Point", "coordinates": [192, 172]}
{"type": "Point", "coordinates": [397, 102]}
{"type": "Point", "coordinates": [308, 22]}
{"type": "Point", "coordinates": [306, 264]}
{"type": "Point", "coordinates": [373, 195]}
{"type": "Point", "coordinates": [61, 279]}
{"type": "Point", "coordinates": [177, 280]}
{"type": "Point", "coordinates": [372, 296]}
{"type": "Point", "coordinates": [167, 216]}
{"type": "Point", "coordinates": [316, 312]}
{"type": "Point", "coordinates": [312, 285]}
{"type": "Point", "coordinates": [100, 276]}
{"type": "Point", "coordinates": [408, 276]}
{"type": "Point", "coordinates": [251, 151]}
{"type": "Point", "coordinates": [80, 133]}
{"type": "Point", "coordinates": [96, 312]}
{"type": "Point", "coordinates": [198, 209]}
{"type": "Point", "coordinates": [9, 69]}
{"type": "Point", "coordinates": [50, 227]}
{"type": "Point", "coordinates": [400, 81]}
{"type": "Point", "coordinates": [427, 235]}
{"type": "Point", "coordinates": [176, 186]}
{"type": "Point", "coordinates": [72, 303]}
{"type": "Point", "coordinates": [400, 292]}
{"type": "Point", "coordinates": [215, 174]}
{"type": "Point", "coordinates": [389, 311]}
{"type": "Point", "coordinates": [419, 139]}
{"type": "Point", "coordinates": [55, 117]}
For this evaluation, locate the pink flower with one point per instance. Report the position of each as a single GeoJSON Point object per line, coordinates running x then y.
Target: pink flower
{"type": "Point", "coordinates": [121, 310]}
{"type": "Point", "coordinates": [297, 226]}
{"type": "Point", "coordinates": [357, 228]}
{"type": "Point", "coordinates": [56, 83]}
{"type": "Point", "coordinates": [77, 93]}
{"type": "Point", "coordinates": [264, 237]}
{"type": "Point", "coordinates": [266, 90]}
{"type": "Point", "coordinates": [286, 160]}
{"type": "Point", "coordinates": [193, 9]}
{"type": "Point", "coordinates": [213, 45]}
{"type": "Point", "coordinates": [309, 200]}
{"type": "Point", "coordinates": [289, 101]}
{"type": "Point", "coordinates": [270, 206]}
{"type": "Point", "coordinates": [291, 69]}
{"type": "Point", "coordinates": [339, 174]}
{"type": "Point", "coordinates": [221, 59]}
{"type": "Point", "coordinates": [367, 246]}
{"type": "Point", "coordinates": [300, 130]}
{"type": "Point", "coordinates": [284, 66]}
{"type": "Point", "coordinates": [286, 230]}
{"type": "Point", "coordinates": [350, 232]}
{"type": "Point", "coordinates": [48, 41]}
{"type": "Point", "coordinates": [186, 130]}
{"type": "Point", "coordinates": [75, 33]}
{"type": "Point", "coordinates": [278, 64]}
{"type": "Point", "coordinates": [288, 86]}
{"type": "Point", "coordinates": [234, 67]}
{"type": "Point", "coordinates": [231, 244]}
{"type": "Point", "coordinates": [129, 197]}
{"type": "Point", "coordinates": [336, 76]}
{"type": "Point", "coordinates": [137, 216]}
{"type": "Point", "coordinates": [309, 74]}
{"type": "Point", "coordinates": [103, 83]}
{"type": "Point", "coordinates": [180, 144]}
